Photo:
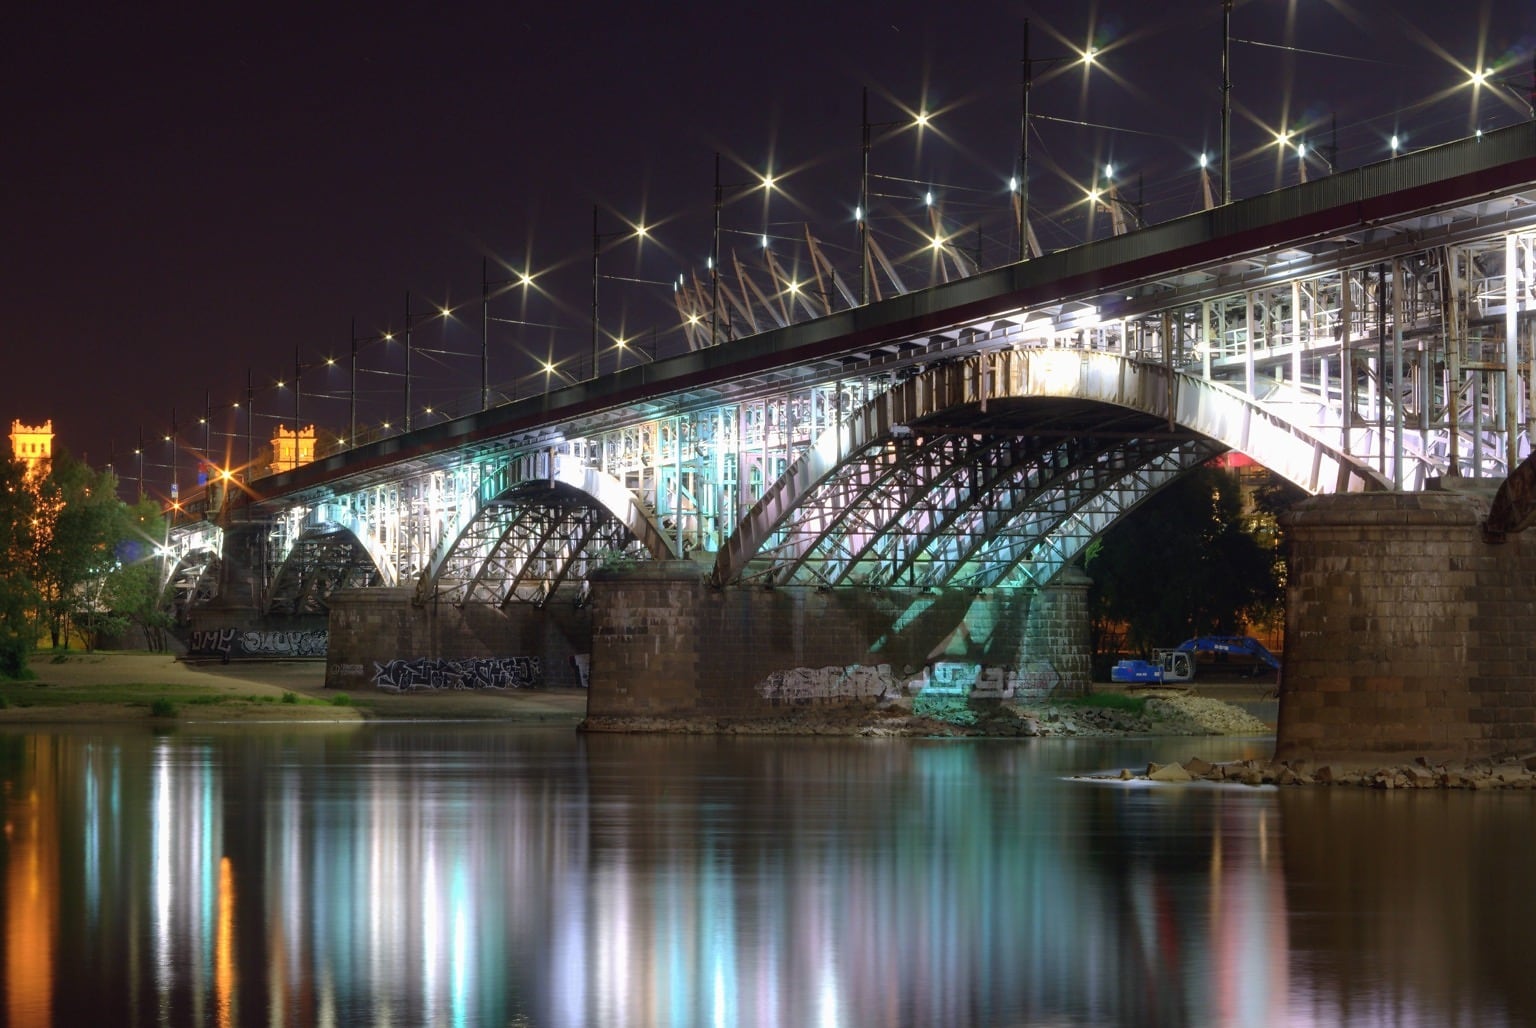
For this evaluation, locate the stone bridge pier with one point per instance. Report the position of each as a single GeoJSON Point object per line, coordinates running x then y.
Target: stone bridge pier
{"type": "Point", "coordinates": [1410, 630]}
{"type": "Point", "coordinates": [667, 644]}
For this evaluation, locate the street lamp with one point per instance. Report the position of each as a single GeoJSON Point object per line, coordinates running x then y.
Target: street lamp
{"type": "Point", "coordinates": [861, 212]}
{"type": "Point", "coordinates": [1226, 102]}
{"type": "Point", "coordinates": [409, 324]}
{"type": "Point", "coordinates": [1087, 57]}
{"type": "Point", "coordinates": [638, 231]}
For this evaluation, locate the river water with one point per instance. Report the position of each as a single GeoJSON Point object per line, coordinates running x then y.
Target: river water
{"type": "Point", "coordinates": [411, 874]}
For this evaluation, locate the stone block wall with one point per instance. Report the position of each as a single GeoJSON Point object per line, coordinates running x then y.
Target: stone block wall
{"type": "Point", "coordinates": [665, 644]}
{"type": "Point", "coordinates": [370, 628]}
{"type": "Point", "coordinates": [1406, 633]}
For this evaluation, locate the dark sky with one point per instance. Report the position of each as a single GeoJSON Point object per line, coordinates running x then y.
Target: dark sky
{"type": "Point", "coordinates": [190, 193]}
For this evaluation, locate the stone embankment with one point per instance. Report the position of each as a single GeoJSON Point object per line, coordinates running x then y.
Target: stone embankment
{"type": "Point", "coordinates": [1420, 773]}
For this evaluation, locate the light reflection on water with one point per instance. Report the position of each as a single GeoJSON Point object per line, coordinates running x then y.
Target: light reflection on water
{"type": "Point", "coordinates": [486, 876]}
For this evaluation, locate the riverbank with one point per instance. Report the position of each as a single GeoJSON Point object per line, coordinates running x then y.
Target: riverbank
{"type": "Point", "coordinates": [1418, 773]}
{"type": "Point", "coordinates": [72, 686]}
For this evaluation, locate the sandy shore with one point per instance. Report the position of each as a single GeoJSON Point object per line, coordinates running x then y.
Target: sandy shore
{"type": "Point", "coordinates": [92, 687]}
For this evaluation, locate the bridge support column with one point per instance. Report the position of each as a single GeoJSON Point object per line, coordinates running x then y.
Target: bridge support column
{"type": "Point", "coordinates": [1406, 633]}
{"type": "Point", "coordinates": [666, 645]}
{"type": "Point", "coordinates": [1057, 636]}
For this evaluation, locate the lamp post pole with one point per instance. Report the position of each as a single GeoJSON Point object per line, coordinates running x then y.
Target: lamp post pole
{"type": "Point", "coordinates": [863, 212]}
{"type": "Point", "coordinates": [485, 337]}
{"type": "Point", "coordinates": [407, 360]}
{"type": "Point", "coordinates": [296, 372]}
{"type": "Point", "coordinates": [250, 417]}
{"type": "Point", "coordinates": [1226, 101]}
{"type": "Point", "coordinates": [1028, 77]}
{"type": "Point", "coordinates": [352, 393]}
{"type": "Point", "coordinates": [714, 263]}
{"type": "Point", "coordinates": [597, 243]}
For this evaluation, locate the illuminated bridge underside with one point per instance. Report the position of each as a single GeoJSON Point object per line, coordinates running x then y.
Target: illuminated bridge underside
{"type": "Point", "coordinates": [1000, 468]}
{"type": "Point", "coordinates": [979, 510]}
{"type": "Point", "coordinates": [521, 545]}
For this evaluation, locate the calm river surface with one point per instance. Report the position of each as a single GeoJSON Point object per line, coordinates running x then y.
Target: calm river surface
{"type": "Point", "coordinates": [414, 874]}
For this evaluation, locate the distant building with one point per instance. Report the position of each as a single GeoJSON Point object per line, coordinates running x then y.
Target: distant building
{"type": "Point", "coordinates": [290, 448]}
{"type": "Point", "coordinates": [33, 445]}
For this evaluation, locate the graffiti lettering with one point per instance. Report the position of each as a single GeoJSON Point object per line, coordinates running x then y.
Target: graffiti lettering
{"type": "Point", "coordinates": [468, 673]}
{"type": "Point", "coordinates": [829, 684]}
{"type": "Point", "coordinates": [215, 642]}
{"type": "Point", "coordinates": [227, 642]}
{"type": "Point", "coordinates": [943, 678]}
{"type": "Point", "coordinates": [285, 644]}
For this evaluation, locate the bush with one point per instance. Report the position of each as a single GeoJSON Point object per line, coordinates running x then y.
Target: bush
{"type": "Point", "coordinates": [341, 701]}
{"type": "Point", "coordinates": [289, 697]}
{"type": "Point", "coordinates": [162, 708]}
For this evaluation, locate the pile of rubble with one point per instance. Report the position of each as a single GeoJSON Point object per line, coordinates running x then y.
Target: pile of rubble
{"type": "Point", "coordinates": [1514, 773]}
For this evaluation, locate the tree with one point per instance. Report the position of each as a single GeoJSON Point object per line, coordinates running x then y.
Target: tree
{"type": "Point", "coordinates": [79, 522]}
{"type": "Point", "coordinates": [132, 590]}
{"type": "Point", "coordinates": [18, 598]}
{"type": "Point", "coordinates": [1182, 564]}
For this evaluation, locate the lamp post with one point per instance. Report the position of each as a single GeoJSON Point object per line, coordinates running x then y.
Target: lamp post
{"type": "Point", "coordinates": [409, 324]}
{"type": "Point", "coordinates": [861, 213]}
{"type": "Point", "coordinates": [1028, 75]}
{"type": "Point", "coordinates": [598, 238]}
{"type": "Point", "coordinates": [1226, 101]}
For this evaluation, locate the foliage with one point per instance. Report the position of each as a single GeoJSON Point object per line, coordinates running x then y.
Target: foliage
{"type": "Point", "coordinates": [18, 597]}
{"type": "Point", "coordinates": [162, 707]}
{"type": "Point", "coordinates": [79, 521]}
{"type": "Point", "coordinates": [132, 588]}
{"type": "Point", "coordinates": [1183, 564]}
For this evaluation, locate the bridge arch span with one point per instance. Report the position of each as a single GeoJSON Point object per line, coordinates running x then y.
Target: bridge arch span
{"type": "Point", "coordinates": [333, 549]}
{"type": "Point", "coordinates": [1000, 467]}
{"type": "Point", "coordinates": [526, 536]}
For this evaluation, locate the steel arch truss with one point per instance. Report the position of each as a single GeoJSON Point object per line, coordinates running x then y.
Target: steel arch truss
{"type": "Point", "coordinates": [883, 486]}
{"type": "Point", "coordinates": [522, 546]}
{"type": "Point", "coordinates": [322, 559]}
{"type": "Point", "coordinates": [193, 580]}
{"type": "Point", "coordinates": [979, 509]}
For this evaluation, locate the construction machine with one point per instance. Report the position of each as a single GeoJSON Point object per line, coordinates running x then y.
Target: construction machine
{"type": "Point", "coordinates": [1178, 664]}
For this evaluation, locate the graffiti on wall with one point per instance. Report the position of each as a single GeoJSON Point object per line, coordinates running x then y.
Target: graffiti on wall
{"type": "Point", "coordinates": [236, 642]}
{"type": "Point", "coordinates": [944, 678]}
{"type": "Point", "coordinates": [830, 684]}
{"type": "Point", "coordinates": [466, 673]}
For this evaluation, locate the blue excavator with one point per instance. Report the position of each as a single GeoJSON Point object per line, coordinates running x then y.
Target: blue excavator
{"type": "Point", "coordinates": [1178, 664]}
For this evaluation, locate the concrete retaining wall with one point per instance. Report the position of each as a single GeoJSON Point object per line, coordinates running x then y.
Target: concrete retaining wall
{"type": "Point", "coordinates": [664, 644]}
{"type": "Point", "coordinates": [1406, 633]}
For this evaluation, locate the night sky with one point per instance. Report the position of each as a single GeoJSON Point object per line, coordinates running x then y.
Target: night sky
{"type": "Point", "coordinates": [189, 195]}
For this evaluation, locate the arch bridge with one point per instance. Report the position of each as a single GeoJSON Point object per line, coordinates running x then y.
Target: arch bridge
{"type": "Point", "coordinates": [1368, 331]}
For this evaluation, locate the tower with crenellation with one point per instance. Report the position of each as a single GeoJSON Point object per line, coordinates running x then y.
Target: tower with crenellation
{"type": "Point", "coordinates": [33, 446]}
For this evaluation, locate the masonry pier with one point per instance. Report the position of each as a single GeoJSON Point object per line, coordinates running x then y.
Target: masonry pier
{"type": "Point", "coordinates": [1407, 632]}
{"type": "Point", "coordinates": [664, 644]}
{"type": "Point", "coordinates": [667, 644]}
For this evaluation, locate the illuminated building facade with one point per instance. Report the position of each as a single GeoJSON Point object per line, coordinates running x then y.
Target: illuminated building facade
{"type": "Point", "coordinates": [291, 448]}
{"type": "Point", "coordinates": [33, 445]}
